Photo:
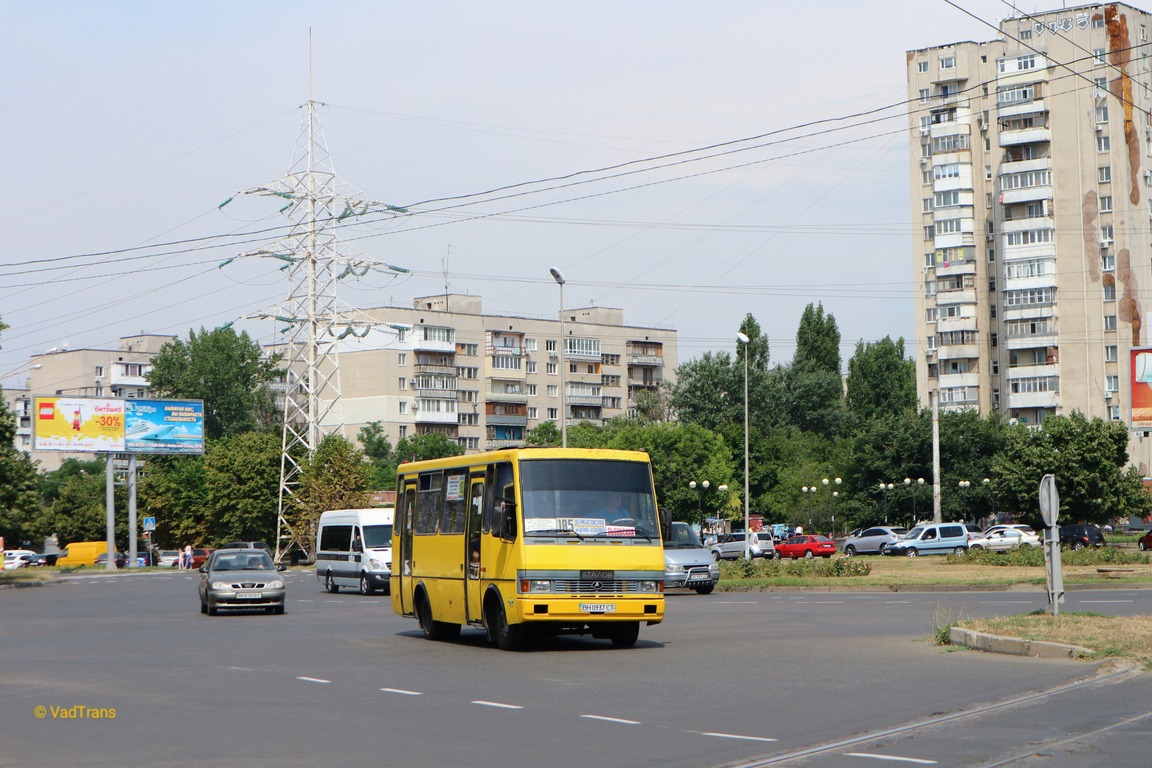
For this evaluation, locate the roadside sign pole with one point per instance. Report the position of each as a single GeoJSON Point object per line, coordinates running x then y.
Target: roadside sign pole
{"type": "Point", "coordinates": [132, 547]}
{"type": "Point", "coordinates": [1054, 570]}
{"type": "Point", "coordinates": [110, 510]}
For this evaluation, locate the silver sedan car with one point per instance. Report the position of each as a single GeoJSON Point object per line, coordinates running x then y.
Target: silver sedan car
{"type": "Point", "coordinates": [241, 578]}
{"type": "Point", "coordinates": [872, 541]}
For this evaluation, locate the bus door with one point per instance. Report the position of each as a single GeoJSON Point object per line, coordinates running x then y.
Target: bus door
{"type": "Point", "coordinates": [402, 565]}
{"type": "Point", "coordinates": [473, 592]}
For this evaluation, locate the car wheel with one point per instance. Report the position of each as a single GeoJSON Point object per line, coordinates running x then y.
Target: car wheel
{"type": "Point", "coordinates": [704, 589]}
{"type": "Point", "coordinates": [505, 636]}
{"type": "Point", "coordinates": [808, 554]}
{"type": "Point", "coordinates": [330, 583]}
{"type": "Point", "coordinates": [959, 551]}
{"type": "Point", "coordinates": [912, 552]}
{"type": "Point", "coordinates": [850, 551]}
{"type": "Point", "coordinates": [1141, 545]}
{"type": "Point", "coordinates": [203, 607]}
{"type": "Point", "coordinates": [976, 547]}
{"type": "Point", "coordinates": [213, 610]}
{"type": "Point", "coordinates": [365, 586]}
{"type": "Point", "coordinates": [1077, 546]}
{"type": "Point", "coordinates": [883, 547]}
{"type": "Point", "coordinates": [715, 555]}
{"type": "Point", "coordinates": [279, 610]}
{"type": "Point", "coordinates": [625, 635]}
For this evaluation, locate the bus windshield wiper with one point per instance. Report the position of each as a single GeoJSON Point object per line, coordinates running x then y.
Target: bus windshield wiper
{"type": "Point", "coordinates": [558, 531]}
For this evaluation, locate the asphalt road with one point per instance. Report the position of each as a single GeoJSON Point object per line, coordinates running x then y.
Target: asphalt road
{"type": "Point", "coordinates": [741, 679]}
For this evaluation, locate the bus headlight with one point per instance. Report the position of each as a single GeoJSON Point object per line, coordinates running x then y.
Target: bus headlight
{"type": "Point", "coordinates": [535, 585]}
{"type": "Point", "coordinates": [650, 586]}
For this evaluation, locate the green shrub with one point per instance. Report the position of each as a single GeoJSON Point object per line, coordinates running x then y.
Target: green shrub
{"type": "Point", "coordinates": [816, 568]}
{"type": "Point", "coordinates": [1034, 556]}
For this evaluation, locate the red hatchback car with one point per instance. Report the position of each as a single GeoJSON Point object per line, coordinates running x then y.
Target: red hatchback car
{"type": "Point", "coordinates": [1145, 542]}
{"type": "Point", "coordinates": [807, 546]}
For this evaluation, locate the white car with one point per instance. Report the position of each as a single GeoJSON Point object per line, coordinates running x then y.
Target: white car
{"type": "Point", "coordinates": [1004, 539]}
{"type": "Point", "coordinates": [18, 558]}
{"type": "Point", "coordinates": [167, 558]}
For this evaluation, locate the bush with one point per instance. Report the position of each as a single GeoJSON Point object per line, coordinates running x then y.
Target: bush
{"type": "Point", "coordinates": [1034, 556]}
{"type": "Point", "coordinates": [816, 568]}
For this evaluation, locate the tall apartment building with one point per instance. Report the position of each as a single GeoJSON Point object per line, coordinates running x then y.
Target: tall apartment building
{"type": "Point", "coordinates": [484, 381]}
{"type": "Point", "coordinates": [1032, 182]}
{"type": "Point", "coordinates": [84, 372]}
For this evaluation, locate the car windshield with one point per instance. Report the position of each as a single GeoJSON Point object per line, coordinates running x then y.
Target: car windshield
{"type": "Point", "coordinates": [377, 536]}
{"type": "Point", "coordinates": [683, 537]}
{"type": "Point", "coordinates": [914, 533]}
{"type": "Point", "coordinates": [588, 498]}
{"type": "Point", "coordinates": [243, 562]}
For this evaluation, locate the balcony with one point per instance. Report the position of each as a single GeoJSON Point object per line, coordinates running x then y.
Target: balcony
{"type": "Point", "coordinates": [648, 360]}
{"type": "Point", "coordinates": [437, 370]}
{"type": "Point", "coordinates": [505, 420]}
{"type": "Point", "coordinates": [952, 380]}
{"type": "Point", "coordinates": [1023, 400]}
{"type": "Point", "coordinates": [506, 397]}
{"type": "Point", "coordinates": [958, 351]}
{"type": "Point", "coordinates": [593, 400]}
{"type": "Point", "coordinates": [1025, 136]}
{"type": "Point", "coordinates": [960, 296]}
{"type": "Point", "coordinates": [1031, 341]}
{"type": "Point", "coordinates": [433, 345]}
{"type": "Point", "coordinates": [494, 445]}
{"type": "Point", "coordinates": [435, 417]}
{"type": "Point", "coordinates": [436, 394]}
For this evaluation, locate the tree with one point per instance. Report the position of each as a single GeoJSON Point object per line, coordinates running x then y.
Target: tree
{"type": "Point", "coordinates": [817, 341]}
{"type": "Point", "coordinates": [543, 435]}
{"type": "Point", "coordinates": [705, 391]}
{"type": "Point", "coordinates": [423, 447]}
{"type": "Point", "coordinates": [881, 381]}
{"type": "Point", "coordinates": [378, 449]}
{"type": "Point", "coordinates": [19, 499]}
{"type": "Point", "coordinates": [242, 476]}
{"type": "Point", "coordinates": [79, 513]}
{"type": "Point", "coordinates": [174, 490]}
{"type": "Point", "coordinates": [335, 477]}
{"type": "Point", "coordinates": [228, 372]}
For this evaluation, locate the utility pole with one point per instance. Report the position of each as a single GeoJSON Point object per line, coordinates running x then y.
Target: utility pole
{"type": "Point", "coordinates": [316, 203]}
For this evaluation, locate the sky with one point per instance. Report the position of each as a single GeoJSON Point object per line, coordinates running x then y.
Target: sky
{"type": "Point", "coordinates": [758, 153]}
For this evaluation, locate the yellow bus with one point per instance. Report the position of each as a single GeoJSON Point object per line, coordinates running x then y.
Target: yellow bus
{"type": "Point", "coordinates": [529, 541]}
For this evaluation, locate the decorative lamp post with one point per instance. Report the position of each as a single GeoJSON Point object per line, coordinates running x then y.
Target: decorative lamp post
{"type": "Point", "coordinates": [987, 485]}
{"type": "Point", "coordinates": [964, 485]}
{"type": "Point", "coordinates": [558, 276]}
{"type": "Point", "coordinates": [835, 495]}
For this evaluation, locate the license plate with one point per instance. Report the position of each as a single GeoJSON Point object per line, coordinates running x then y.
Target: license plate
{"type": "Point", "coordinates": [699, 577]}
{"type": "Point", "coordinates": [598, 607]}
{"type": "Point", "coordinates": [248, 595]}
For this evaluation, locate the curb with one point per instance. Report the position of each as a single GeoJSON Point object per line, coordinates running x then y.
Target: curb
{"type": "Point", "coordinates": [1016, 646]}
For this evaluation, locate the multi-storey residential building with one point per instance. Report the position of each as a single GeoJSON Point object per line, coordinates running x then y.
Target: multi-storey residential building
{"type": "Point", "coordinates": [82, 373]}
{"type": "Point", "coordinates": [1031, 181]}
{"type": "Point", "coordinates": [486, 380]}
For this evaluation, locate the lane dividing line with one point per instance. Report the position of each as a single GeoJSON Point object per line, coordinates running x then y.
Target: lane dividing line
{"type": "Point", "coordinates": [402, 692]}
{"type": "Point", "coordinates": [737, 736]}
{"type": "Point", "coordinates": [242, 669]}
{"type": "Point", "coordinates": [891, 757]}
{"type": "Point", "coordinates": [619, 720]}
{"type": "Point", "coordinates": [313, 680]}
{"type": "Point", "coordinates": [496, 704]}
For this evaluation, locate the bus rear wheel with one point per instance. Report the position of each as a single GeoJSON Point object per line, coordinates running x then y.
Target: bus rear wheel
{"type": "Point", "coordinates": [505, 636]}
{"type": "Point", "coordinates": [434, 630]}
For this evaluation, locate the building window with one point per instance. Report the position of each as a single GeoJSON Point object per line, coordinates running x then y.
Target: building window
{"type": "Point", "coordinates": [403, 431]}
{"type": "Point", "coordinates": [925, 95]}
{"type": "Point", "coordinates": [553, 390]}
{"type": "Point", "coordinates": [402, 358]}
{"type": "Point", "coordinates": [1110, 322]}
{"type": "Point", "coordinates": [403, 407]}
{"type": "Point", "coordinates": [1110, 353]}
{"type": "Point", "coordinates": [531, 390]}
{"type": "Point", "coordinates": [550, 345]}
{"type": "Point", "coordinates": [1110, 292]}
{"type": "Point", "coordinates": [929, 232]}
{"type": "Point", "coordinates": [1098, 54]}
{"type": "Point", "coordinates": [550, 369]}
{"type": "Point", "coordinates": [530, 367]}
{"type": "Point", "coordinates": [530, 345]}
{"type": "Point", "coordinates": [403, 383]}
{"type": "Point", "coordinates": [1101, 114]}
{"type": "Point", "coordinates": [1025, 34]}
{"type": "Point", "coordinates": [921, 66]}
{"type": "Point", "coordinates": [926, 205]}
{"type": "Point", "coordinates": [1108, 262]}
{"type": "Point", "coordinates": [995, 367]}
{"type": "Point", "coordinates": [1103, 143]}
{"type": "Point", "coordinates": [1105, 203]}
{"type": "Point", "coordinates": [99, 371]}
{"type": "Point", "coordinates": [553, 413]}
{"type": "Point", "coordinates": [1114, 413]}
{"type": "Point", "coordinates": [947, 62]}
{"type": "Point", "coordinates": [1104, 174]}
{"type": "Point", "coordinates": [1106, 233]}
{"type": "Point", "coordinates": [1112, 383]}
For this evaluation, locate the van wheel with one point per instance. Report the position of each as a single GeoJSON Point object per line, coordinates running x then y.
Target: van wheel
{"type": "Point", "coordinates": [912, 552]}
{"type": "Point", "coordinates": [330, 583]}
{"type": "Point", "coordinates": [959, 551]}
{"type": "Point", "coordinates": [505, 636]}
{"type": "Point", "coordinates": [434, 630]}
{"type": "Point", "coordinates": [625, 635]}
{"type": "Point", "coordinates": [1077, 546]}
{"type": "Point", "coordinates": [704, 589]}
{"type": "Point", "coordinates": [365, 586]}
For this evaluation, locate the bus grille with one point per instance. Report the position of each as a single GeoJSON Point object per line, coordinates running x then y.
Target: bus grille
{"type": "Point", "coordinates": [579, 587]}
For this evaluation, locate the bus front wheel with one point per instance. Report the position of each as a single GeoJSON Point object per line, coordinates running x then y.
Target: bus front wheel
{"type": "Point", "coordinates": [506, 636]}
{"type": "Point", "coordinates": [625, 635]}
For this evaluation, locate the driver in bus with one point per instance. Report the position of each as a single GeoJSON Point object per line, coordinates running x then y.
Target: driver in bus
{"type": "Point", "coordinates": [613, 509]}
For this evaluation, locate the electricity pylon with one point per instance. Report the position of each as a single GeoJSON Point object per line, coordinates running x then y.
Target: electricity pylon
{"type": "Point", "coordinates": [316, 203]}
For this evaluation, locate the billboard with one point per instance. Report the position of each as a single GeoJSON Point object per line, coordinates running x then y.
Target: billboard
{"type": "Point", "coordinates": [83, 424]}
{"type": "Point", "coordinates": [164, 426]}
{"type": "Point", "coordinates": [1140, 381]}
{"type": "Point", "coordinates": [98, 425]}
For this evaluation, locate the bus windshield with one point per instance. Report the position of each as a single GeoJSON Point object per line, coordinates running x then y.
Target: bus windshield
{"type": "Point", "coordinates": [587, 498]}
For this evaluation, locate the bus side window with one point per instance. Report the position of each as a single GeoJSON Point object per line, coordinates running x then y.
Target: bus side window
{"type": "Point", "coordinates": [507, 502]}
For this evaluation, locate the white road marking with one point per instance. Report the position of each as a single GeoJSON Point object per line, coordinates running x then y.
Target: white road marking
{"type": "Point", "coordinates": [891, 757]}
{"type": "Point", "coordinates": [313, 680]}
{"type": "Point", "coordinates": [612, 719]}
{"type": "Point", "coordinates": [402, 692]}
{"type": "Point", "coordinates": [496, 704]}
{"type": "Point", "coordinates": [737, 736]}
{"type": "Point", "coordinates": [241, 669]}
{"type": "Point", "coordinates": [1086, 602]}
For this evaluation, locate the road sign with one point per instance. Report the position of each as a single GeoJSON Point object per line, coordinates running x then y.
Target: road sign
{"type": "Point", "coordinates": [149, 524]}
{"type": "Point", "coordinates": [1049, 500]}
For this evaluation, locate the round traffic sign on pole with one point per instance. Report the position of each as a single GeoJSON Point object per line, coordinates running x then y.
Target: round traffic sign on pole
{"type": "Point", "coordinates": [1049, 500]}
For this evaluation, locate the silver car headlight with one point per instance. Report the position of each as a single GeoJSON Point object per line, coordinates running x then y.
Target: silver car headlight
{"type": "Point", "coordinates": [221, 585]}
{"type": "Point", "coordinates": [714, 569]}
{"type": "Point", "coordinates": [673, 568]}
{"type": "Point", "coordinates": [275, 584]}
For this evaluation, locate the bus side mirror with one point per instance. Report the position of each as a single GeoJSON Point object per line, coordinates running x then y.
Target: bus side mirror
{"type": "Point", "coordinates": [508, 521]}
{"type": "Point", "coordinates": [665, 525]}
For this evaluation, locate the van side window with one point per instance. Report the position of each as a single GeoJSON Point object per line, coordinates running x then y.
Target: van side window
{"type": "Point", "coordinates": [952, 531]}
{"type": "Point", "coordinates": [336, 538]}
{"type": "Point", "coordinates": [929, 534]}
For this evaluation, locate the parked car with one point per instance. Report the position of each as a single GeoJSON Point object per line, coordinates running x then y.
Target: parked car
{"type": "Point", "coordinates": [248, 545]}
{"type": "Point", "coordinates": [687, 563]}
{"type": "Point", "coordinates": [1018, 527]}
{"type": "Point", "coordinates": [199, 556]}
{"type": "Point", "coordinates": [974, 531]}
{"type": "Point", "coordinates": [241, 578]}
{"type": "Point", "coordinates": [1004, 540]}
{"type": "Point", "coordinates": [730, 546]}
{"type": "Point", "coordinates": [19, 560]}
{"type": "Point", "coordinates": [1081, 535]}
{"type": "Point", "coordinates": [871, 541]}
{"type": "Point", "coordinates": [1145, 542]}
{"type": "Point", "coordinates": [931, 539]}
{"type": "Point", "coordinates": [102, 559]}
{"type": "Point", "coordinates": [806, 545]}
{"type": "Point", "coordinates": [168, 558]}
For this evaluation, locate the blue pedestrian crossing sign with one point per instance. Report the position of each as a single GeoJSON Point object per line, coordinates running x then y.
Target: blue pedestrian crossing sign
{"type": "Point", "coordinates": [149, 523]}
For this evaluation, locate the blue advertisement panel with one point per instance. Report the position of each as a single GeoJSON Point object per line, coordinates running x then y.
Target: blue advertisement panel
{"type": "Point", "coordinates": [164, 426]}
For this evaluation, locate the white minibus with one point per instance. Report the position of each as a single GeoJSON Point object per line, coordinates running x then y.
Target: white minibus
{"type": "Point", "coordinates": [354, 549]}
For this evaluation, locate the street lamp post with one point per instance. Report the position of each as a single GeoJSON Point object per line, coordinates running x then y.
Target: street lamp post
{"type": "Point", "coordinates": [743, 339]}
{"type": "Point", "coordinates": [835, 494]}
{"type": "Point", "coordinates": [558, 276]}
{"type": "Point", "coordinates": [964, 485]}
{"type": "Point", "coordinates": [909, 484]}
{"type": "Point", "coordinates": [886, 489]}
{"type": "Point", "coordinates": [987, 485]}
{"type": "Point", "coordinates": [699, 500]}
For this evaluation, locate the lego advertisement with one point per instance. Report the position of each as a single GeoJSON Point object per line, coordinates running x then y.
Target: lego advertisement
{"type": "Point", "coordinates": [82, 424]}
{"type": "Point", "coordinates": [164, 426]}
{"type": "Point", "coordinates": [1140, 371]}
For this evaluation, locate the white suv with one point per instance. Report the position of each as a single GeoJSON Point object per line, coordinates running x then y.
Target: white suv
{"type": "Point", "coordinates": [730, 546]}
